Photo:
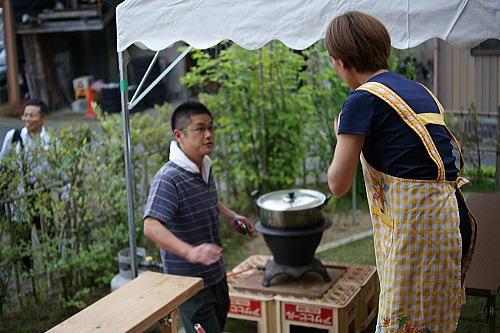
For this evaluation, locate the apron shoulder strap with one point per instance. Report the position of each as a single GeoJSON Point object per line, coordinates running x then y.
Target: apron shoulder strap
{"type": "Point", "coordinates": [410, 118]}
{"type": "Point", "coordinates": [441, 112]}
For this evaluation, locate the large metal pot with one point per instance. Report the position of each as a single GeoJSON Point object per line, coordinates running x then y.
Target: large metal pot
{"type": "Point", "coordinates": [292, 209]}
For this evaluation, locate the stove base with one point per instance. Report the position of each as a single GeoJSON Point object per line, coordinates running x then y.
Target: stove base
{"type": "Point", "coordinates": [272, 269]}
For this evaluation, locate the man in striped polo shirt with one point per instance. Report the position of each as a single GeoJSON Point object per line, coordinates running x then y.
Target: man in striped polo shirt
{"type": "Point", "coordinates": [182, 216]}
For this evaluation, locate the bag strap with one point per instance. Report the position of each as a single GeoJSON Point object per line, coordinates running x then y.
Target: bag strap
{"type": "Point", "coordinates": [17, 137]}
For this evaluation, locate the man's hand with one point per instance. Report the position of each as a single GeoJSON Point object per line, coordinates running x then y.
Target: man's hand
{"type": "Point", "coordinates": [242, 225]}
{"type": "Point", "coordinates": [205, 254]}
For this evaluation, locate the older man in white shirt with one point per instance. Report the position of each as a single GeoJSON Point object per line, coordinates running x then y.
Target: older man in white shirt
{"type": "Point", "coordinates": [19, 145]}
{"type": "Point", "coordinates": [34, 116]}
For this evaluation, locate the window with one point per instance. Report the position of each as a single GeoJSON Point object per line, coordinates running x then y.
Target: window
{"type": "Point", "coordinates": [490, 47]}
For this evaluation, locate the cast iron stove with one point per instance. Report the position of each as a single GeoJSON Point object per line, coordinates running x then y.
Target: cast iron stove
{"type": "Point", "coordinates": [293, 251]}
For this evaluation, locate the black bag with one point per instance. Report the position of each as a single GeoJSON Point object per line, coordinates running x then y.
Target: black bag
{"type": "Point", "coordinates": [15, 138]}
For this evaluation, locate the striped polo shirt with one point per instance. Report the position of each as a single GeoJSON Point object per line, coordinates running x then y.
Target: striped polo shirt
{"type": "Point", "coordinates": [187, 206]}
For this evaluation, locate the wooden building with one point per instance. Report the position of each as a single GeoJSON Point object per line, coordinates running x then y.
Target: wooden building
{"type": "Point", "coordinates": [470, 76]}
{"type": "Point", "coordinates": [62, 40]}
{"type": "Point", "coordinates": [56, 41]}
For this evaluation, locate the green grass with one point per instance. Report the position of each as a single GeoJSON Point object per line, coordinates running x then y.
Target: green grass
{"type": "Point", "coordinates": [358, 252]}
{"type": "Point", "coordinates": [475, 308]}
{"type": "Point", "coordinates": [486, 186]}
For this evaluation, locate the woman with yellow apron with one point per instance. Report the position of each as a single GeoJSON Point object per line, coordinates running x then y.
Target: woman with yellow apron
{"type": "Point", "coordinates": [423, 233]}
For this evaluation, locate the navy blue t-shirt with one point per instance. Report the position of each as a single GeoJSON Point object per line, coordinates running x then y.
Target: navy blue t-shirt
{"type": "Point", "coordinates": [391, 146]}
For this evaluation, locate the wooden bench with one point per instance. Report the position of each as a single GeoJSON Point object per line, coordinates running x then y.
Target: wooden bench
{"type": "Point", "coordinates": [135, 306]}
{"type": "Point", "coordinates": [483, 277]}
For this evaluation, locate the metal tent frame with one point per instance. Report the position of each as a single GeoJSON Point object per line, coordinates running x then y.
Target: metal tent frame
{"type": "Point", "coordinates": [155, 24]}
{"type": "Point", "coordinates": [126, 106]}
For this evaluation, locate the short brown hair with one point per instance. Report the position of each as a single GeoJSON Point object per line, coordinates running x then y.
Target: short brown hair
{"type": "Point", "coordinates": [182, 114]}
{"type": "Point", "coordinates": [359, 40]}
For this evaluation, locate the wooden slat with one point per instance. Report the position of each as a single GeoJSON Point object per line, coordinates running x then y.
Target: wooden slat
{"type": "Point", "coordinates": [479, 83]}
{"type": "Point", "coordinates": [457, 79]}
{"type": "Point", "coordinates": [61, 26]}
{"type": "Point", "coordinates": [493, 63]}
{"type": "Point", "coordinates": [498, 83]}
{"type": "Point", "coordinates": [73, 14]}
{"type": "Point", "coordinates": [135, 306]}
{"type": "Point", "coordinates": [464, 78]}
{"type": "Point", "coordinates": [471, 77]}
{"type": "Point", "coordinates": [448, 78]}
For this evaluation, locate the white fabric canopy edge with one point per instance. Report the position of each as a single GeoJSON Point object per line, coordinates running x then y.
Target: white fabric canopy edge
{"type": "Point", "coordinates": [157, 24]}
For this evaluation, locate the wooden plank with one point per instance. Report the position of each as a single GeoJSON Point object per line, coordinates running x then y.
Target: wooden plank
{"type": "Point", "coordinates": [135, 306]}
{"type": "Point", "coordinates": [493, 64]}
{"type": "Point", "coordinates": [73, 14]}
{"type": "Point", "coordinates": [498, 82]}
{"type": "Point", "coordinates": [455, 83]}
{"type": "Point", "coordinates": [471, 77]}
{"type": "Point", "coordinates": [479, 82]}
{"type": "Point", "coordinates": [448, 77]}
{"type": "Point", "coordinates": [61, 26]}
{"type": "Point", "coordinates": [467, 83]}
{"type": "Point", "coordinates": [464, 98]}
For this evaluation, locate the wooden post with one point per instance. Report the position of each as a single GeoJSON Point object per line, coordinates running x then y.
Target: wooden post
{"type": "Point", "coordinates": [169, 323]}
{"type": "Point", "coordinates": [497, 173]}
{"type": "Point", "coordinates": [40, 75]}
{"type": "Point", "coordinates": [35, 71]}
{"type": "Point", "coordinates": [14, 94]}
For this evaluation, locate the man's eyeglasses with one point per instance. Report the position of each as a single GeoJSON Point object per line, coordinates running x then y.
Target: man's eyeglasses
{"type": "Point", "coordinates": [29, 116]}
{"type": "Point", "coordinates": [201, 130]}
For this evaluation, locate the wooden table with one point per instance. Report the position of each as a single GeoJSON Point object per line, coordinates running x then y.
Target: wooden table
{"type": "Point", "coordinates": [483, 277]}
{"type": "Point", "coordinates": [135, 306]}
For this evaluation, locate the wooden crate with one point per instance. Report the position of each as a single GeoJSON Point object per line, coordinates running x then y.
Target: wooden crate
{"type": "Point", "coordinates": [252, 306]}
{"type": "Point", "coordinates": [365, 303]}
{"type": "Point", "coordinates": [366, 278]}
{"type": "Point", "coordinates": [256, 308]}
{"type": "Point", "coordinates": [334, 312]}
{"type": "Point", "coordinates": [256, 259]}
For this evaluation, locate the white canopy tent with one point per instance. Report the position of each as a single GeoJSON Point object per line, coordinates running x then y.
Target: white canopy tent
{"type": "Point", "coordinates": [157, 24]}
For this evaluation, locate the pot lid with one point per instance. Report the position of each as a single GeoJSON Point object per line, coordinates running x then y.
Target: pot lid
{"type": "Point", "coordinates": [291, 200]}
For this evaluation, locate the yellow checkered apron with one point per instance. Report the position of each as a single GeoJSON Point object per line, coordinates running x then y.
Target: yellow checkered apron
{"type": "Point", "coordinates": [417, 238]}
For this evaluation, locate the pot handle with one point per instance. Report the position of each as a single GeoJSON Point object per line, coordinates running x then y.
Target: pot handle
{"type": "Point", "coordinates": [254, 194]}
{"type": "Point", "coordinates": [327, 198]}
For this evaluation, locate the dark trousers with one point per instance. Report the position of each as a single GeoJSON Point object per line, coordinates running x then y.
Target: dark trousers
{"type": "Point", "coordinates": [208, 308]}
{"type": "Point", "coordinates": [465, 226]}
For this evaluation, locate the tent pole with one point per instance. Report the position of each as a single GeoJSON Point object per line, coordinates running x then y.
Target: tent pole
{"type": "Point", "coordinates": [134, 102]}
{"type": "Point", "coordinates": [122, 67]}
{"type": "Point", "coordinates": [145, 76]}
